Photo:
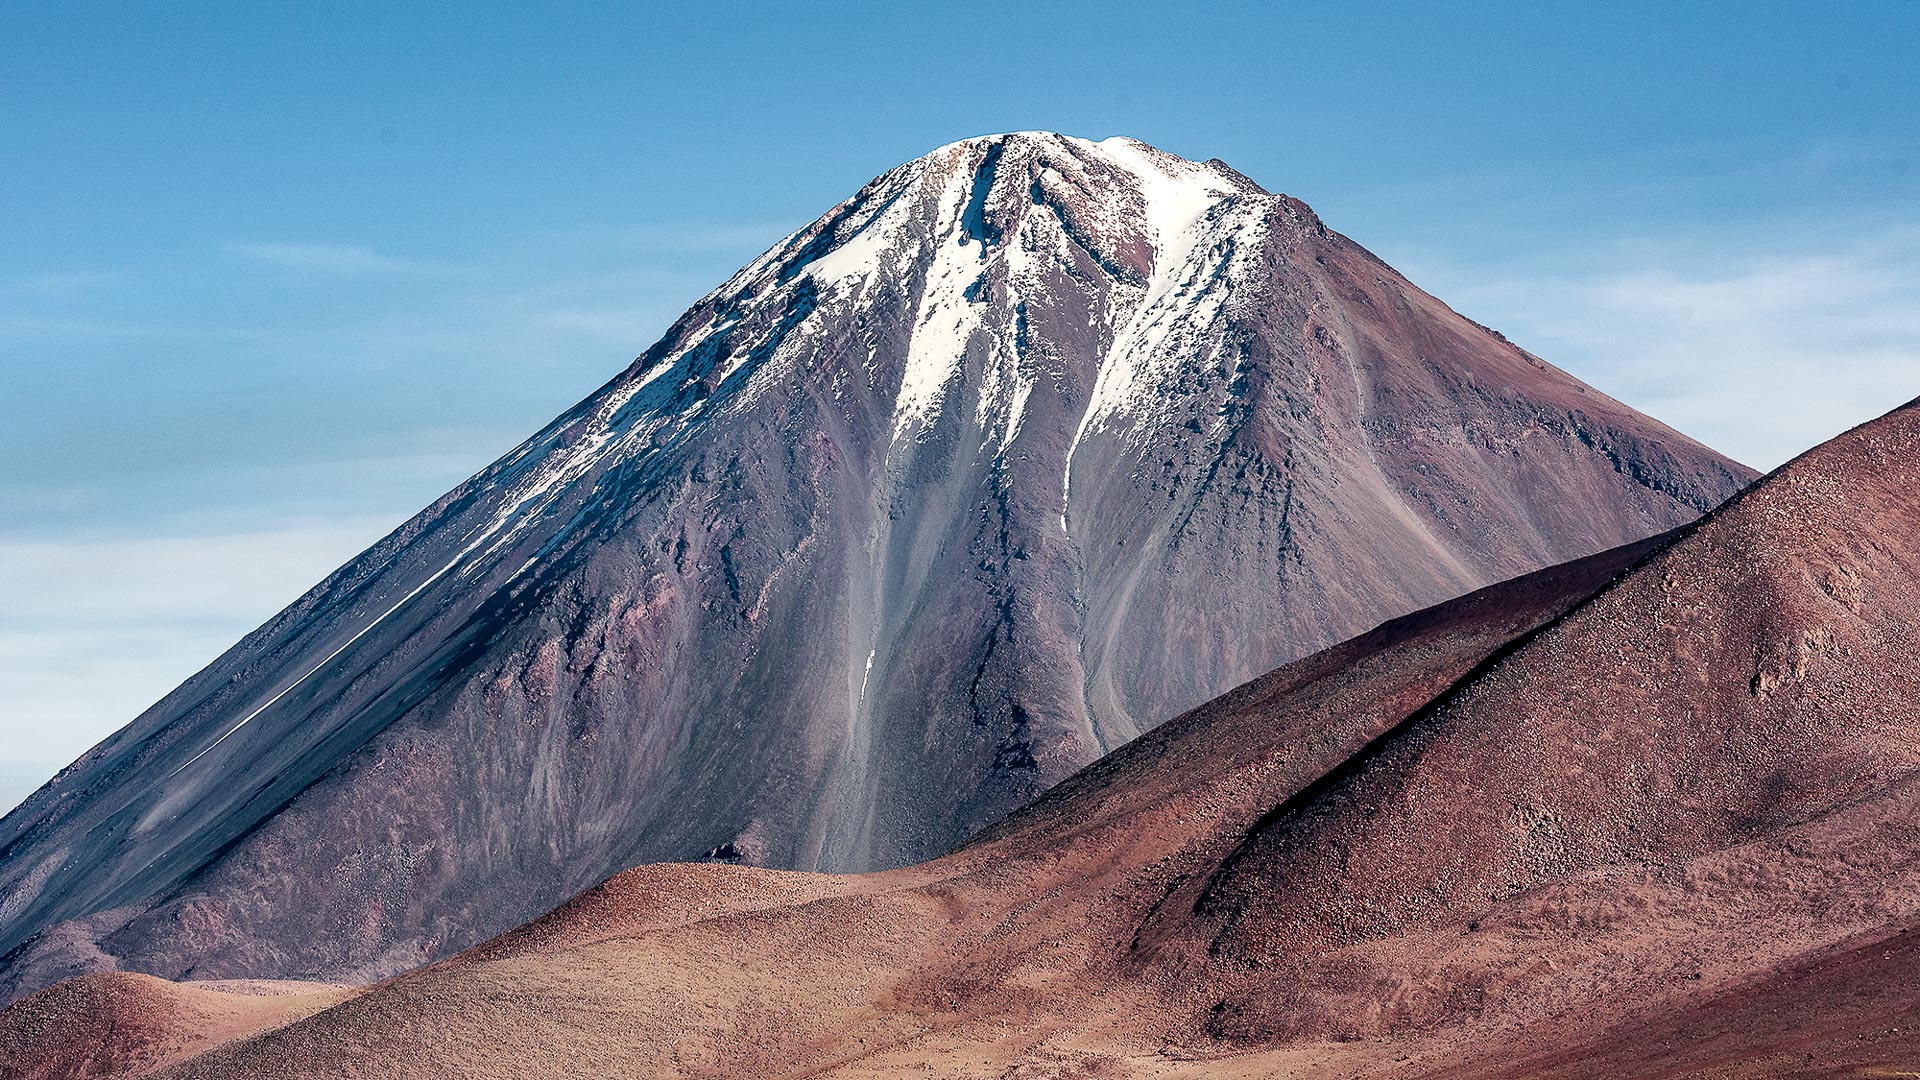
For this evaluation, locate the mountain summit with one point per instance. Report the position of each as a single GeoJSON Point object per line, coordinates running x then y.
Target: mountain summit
{"type": "Point", "coordinates": [1033, 442]}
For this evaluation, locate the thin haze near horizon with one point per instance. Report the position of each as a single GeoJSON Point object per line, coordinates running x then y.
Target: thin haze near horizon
{"type": "Point", "coordinates": [276, 279]}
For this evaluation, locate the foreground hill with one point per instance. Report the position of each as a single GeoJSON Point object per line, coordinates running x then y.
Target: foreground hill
{"type": "Point", "coordinates": [1030, 444]}
{"type": "Point", "coordinates": [121, 1024]}
{"type": "Point", "coordinates": [788, 945]}
{"type": "Point", "coordinates": [1648, 813]}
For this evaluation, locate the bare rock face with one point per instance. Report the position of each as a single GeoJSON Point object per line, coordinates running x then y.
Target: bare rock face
{"type": "Point", "coordinates": [1031, 443]}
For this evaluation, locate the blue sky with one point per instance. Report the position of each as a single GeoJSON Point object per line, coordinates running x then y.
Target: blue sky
{"type": "Point", "coordinates": [274, 276]}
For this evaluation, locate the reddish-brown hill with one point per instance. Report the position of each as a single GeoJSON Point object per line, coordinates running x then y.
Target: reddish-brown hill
{"type": "Point", "coordinates": [1648, 814]}
{"type": "Point", "coordinates": [124, 1024]}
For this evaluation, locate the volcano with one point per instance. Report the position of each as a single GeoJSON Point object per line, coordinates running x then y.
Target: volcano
{"type": "Point", "coordinates": [1033, 442]}
{"type": "Point", "coordinates": [1648, 814]}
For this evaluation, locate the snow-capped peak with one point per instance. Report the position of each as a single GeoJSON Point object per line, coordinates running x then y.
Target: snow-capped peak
{"type": "Point", "coordinates": [945, 254]}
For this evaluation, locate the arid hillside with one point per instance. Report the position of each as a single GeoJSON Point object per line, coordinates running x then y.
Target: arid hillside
{"type": "Point", "coordinates": [1647, 814]}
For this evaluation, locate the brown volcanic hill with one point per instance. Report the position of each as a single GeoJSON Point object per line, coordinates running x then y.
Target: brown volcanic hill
{"type": "Point", "coordinates": [1648, 814]}
{"type": "Point", "coordinates": [122, 1024]}
{"type": "Point", "coordinates": [1749, 684]}
{"type": "Point", "coordinates": [1031, 443]}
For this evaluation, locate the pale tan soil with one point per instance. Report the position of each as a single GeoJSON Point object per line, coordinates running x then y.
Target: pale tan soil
{"type": "Point", "coordinates": [125, 1024]}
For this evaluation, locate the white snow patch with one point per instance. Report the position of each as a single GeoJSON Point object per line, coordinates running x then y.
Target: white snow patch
{"type": "Point", "coordinates": [1016, 414]}
{"type": "Point", "coordinates": [1180, 199]}
{"type": "Point", "coordinates": [1177, 194]}
{"type": "Point", "coordinates": [946, 320]}
{"type": "Point", "coordinates": [874, 245]}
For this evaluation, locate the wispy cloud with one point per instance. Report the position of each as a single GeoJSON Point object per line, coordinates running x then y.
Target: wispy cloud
{"type": "Point", "coordinates": [338, 259]}
{"type": "Point", "coordinates": [15, 329]}
{"type": "Point", "coordinates": [1761, 355]}
{"type": "Point", "coordinates": [753, 238]}
{"type": "Point", "coordinates": [684, 237]}
{"type": "Point", "coordinates": [60, 284]}
{"type": "Point", "coordinates": [96, 629]}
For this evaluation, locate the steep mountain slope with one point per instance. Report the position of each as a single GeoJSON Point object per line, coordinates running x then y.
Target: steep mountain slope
{"type": "Point", "coordinates": [1030, 443]}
